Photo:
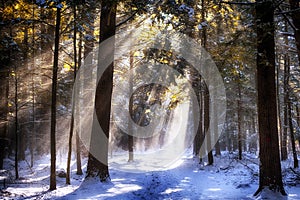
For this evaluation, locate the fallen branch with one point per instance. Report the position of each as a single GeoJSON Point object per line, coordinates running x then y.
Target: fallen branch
{"type": "Point", "coordinates": [297, 174]}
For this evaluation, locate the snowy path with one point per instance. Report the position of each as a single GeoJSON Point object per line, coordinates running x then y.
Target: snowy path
{"type": "Point", "coordinates": [185, 182]}
{"type": "Point", "coordinates": [227, 179]}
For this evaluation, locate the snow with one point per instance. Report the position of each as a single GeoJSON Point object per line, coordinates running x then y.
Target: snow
{"type": "Point", "coordinates": [228, 178]}
{"type": "Point", "coordinates": [190, 10]}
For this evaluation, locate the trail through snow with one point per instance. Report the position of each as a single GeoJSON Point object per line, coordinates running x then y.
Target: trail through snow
{"type": "Point", "coordinates": [228, 178]}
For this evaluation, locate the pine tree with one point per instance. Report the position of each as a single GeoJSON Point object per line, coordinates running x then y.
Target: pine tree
{"type": "Point", "coordinates": [270, 168]}
{"type": "Point", "coordinates": [104, 92]}
{"type": "Point", "coordinates": [53, 103]}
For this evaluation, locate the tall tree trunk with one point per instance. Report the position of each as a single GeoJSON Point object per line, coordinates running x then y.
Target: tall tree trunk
{"type": "Point", "coordinates": [206, 95]}
{"type": "Point", "coordinates": [32, 134]}
{"type": "Point", "coordinates": [279, 121]}
{"type": "Point", "coordinates": [78, 151]}
{"type": "Point", "coordinates": [22, 136]}
{"type": "Point", "coordinates": [206, 126]}
{"type": "Point", "coordinates": [270, 167]}
{"type": "Point", "coordinates": [104, 91]}
{"type": "Point", "coordinates": [4, 86]}
{"type": "Point", "coordinates": [254, 143]}
{"type": "Point", "coordinates": [284, 154]}
{"type": "Point", "coordinates": [239, 107]}
{"type": "Point", "coordinates": [198, 137]}
{"type": "Point", "coordinates": [290, 117]}
{"type": "Point", "coordinates": [53, 102]}
{"type": "Point", "coordinates": [201, 127]}
{"type": "Point", "coordinates": [16, 125]}
{"type": "Point", "coordinates": [215, 127]}
{"type": "Point", "coordinates": [294, 151]}
{"type": "Point", "coordinates": [68, 174]}
{"type": "Point", "coordinates": [130, 137]}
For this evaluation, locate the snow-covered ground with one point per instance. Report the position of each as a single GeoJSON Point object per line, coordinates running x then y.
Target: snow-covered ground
{"type": "Point", "coordinates": [228, 178]}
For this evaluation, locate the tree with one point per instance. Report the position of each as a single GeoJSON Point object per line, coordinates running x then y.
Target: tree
{"type": "Point", "coordinates": [4, 88]}
{"type": "Point", "coordinates": [239, 108]}
{"type": "Point", "coordinates": [68, 181]}
{"type": "Point", "coordinates": [288, 113]}
{"type": "Point", "coordinates": [53, 102]}
{"type": "Point", "coordinates": [104, 91]}
{"type": "Point", "coordinates": [284, 154]}
{"type": "Point", "coordinates": [295, 14]}
{"type": "Point", "coordinates": [270, 167]}
{"type": "Point", "coordinates": [16, 124]}
{"type": "Point", "coordinates": [130, 137]}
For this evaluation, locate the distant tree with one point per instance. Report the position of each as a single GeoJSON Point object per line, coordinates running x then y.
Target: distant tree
{"type": "Point", "coordinates": [289, 116]}
{"type": "Point", "coordinates": [130, 137]}
{"type": "Point", "coordinates": [284, 154]}
{"type": "Point", "coordinates": [295, 14]}
{"type": "Point", "coordinates": [270, 167]}
{"type": "Point", "coordinates": [16, 123]}
{"type": "Point", "coordinates": [239, 110]}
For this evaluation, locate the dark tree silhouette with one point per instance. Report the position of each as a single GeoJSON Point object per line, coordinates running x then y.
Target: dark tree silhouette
{"type": "Point", "coordinates": [53, 102]}
{"type": "Point", "coordinates": [270, 168]}
{"type": "Point", "coordinates": [104, 91]}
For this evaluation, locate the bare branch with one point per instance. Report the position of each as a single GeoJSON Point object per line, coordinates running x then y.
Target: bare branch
{"type": "Point", "coordinates": [287, 19]}
{"type": "Point", "coordinates": [238, 3]}
{"type": "Point", "coordinates": [287, 12]}
{"type": "Point", "coordinates": [287, 34]}
{"type": "Point", "coordinates": [126, 20]}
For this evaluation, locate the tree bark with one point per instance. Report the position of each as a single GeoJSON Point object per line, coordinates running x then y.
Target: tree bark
{"type": "Point", "coordinates": [130, 137]}
{"type": "Point", "coordinates": [4, 86]}
{"type": "Point", "coordinates": [68, 174]}
{"type": "Point", "coordinates": [206, 126]}
{"type": "Point", "coordinates": [16, 125]}
{"type": "Point", "coordinates": [294, 151]}
{"type": "Point", "coordinates": [53, 102]}
{"type": "Point", "coordinates": [78, 149]}
{"type": "Point", "coordinates": [239, 107]}
{"type": "Point", "coordinates": [270, 167]}
{"type": "Point", "coordinates": [104, 90]}
{"type": "Point", "coordinates": [198, 138]}
{"type": "Point", "coordinates": [284, 154]}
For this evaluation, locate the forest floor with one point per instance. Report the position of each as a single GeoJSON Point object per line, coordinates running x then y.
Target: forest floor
{"type": "Point", "coordinates": [228, 178]}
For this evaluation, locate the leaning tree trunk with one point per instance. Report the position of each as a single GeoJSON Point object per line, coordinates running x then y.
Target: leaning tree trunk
{"type": "Point", "coordinates": [270, 167]}
{"type": "Point", "coordinates": [104, 92]}
{"type": "Point", "coordinates": [78, 149]}
{"type": "Point", "coordinates": [68, 174]}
